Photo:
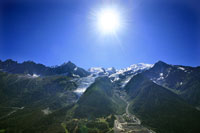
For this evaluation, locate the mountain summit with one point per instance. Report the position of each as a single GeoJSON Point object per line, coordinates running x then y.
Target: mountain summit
{"type": "Point", "coordinates": [148, 98]}
{"type": "Point", "coordinates": [30, 67]}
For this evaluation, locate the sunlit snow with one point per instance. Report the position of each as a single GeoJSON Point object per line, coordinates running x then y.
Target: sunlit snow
{"type": "Point", "coordinates": [46, 111]}
{"type": "Point", "coordinates": [84, 83]}
{"type": "Point", "coordinates": [181, 68]}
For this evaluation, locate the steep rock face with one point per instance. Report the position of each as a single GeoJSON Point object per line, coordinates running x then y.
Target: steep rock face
{"type": "Point", "coordinates": [31, 68]}
{"type": "Point", "coordinates": [160, 108]}
{"type": "Point", "coordinates": [70, 69]}
{"type": "Point", "coordinates": [183, 80]}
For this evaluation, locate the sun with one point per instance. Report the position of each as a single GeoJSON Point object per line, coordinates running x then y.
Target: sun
{"type": "Point", "coordinates": [108, 20]}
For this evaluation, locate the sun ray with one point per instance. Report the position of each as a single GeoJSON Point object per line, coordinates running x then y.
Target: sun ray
{"type": "Point", "coordinates": [108, 20]}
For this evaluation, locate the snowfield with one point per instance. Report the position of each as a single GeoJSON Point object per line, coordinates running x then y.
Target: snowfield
{"type": "Point", "coordinates": [84, 82]}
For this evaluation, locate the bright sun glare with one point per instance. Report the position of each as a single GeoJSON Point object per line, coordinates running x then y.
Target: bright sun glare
{"type": "Point", "coordinates": [108, 20]}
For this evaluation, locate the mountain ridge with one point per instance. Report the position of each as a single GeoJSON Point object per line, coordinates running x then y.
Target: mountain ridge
{"type": "Point", "coordinates": [159, 107]}
{"type": "Point", "coordinates": [30, 67]}
{"type": "Point", "coordinates": [164, 97]}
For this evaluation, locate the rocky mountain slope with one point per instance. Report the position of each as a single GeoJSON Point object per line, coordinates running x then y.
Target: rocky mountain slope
{"type": "Point", "coordinates": [67, 98]}
{"type": "Point", "coordinates": [159, 108]}
{"type": "Point", "coordinates": [182, 80]}
{"type": "Point", "coordinates": [33, 69]}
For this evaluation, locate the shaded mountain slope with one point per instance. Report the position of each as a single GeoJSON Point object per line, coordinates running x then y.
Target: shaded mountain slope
{"type": "Point", "coordinates": [183, 80]}
{"type": "Point", "coordinates": [26, 101]}
{"type": "Point", "coordinates": [30, 67]}
{"type": "Point", "coordinates": [161, 109]}
{"type": "Point", "coordinates": [36, 98]}
{"type": "Point", "coordinates": [98, 100]}
{"type": "Point", "coordinates": [21, 90]}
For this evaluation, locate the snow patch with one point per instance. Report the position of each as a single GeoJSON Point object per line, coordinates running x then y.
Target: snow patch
{"type": "Point", "coordinates": [80, 90]}
{"type": "Point", "coordinates": [114, 76]}
{"type": "Point", "coordinates": [74, 75]}
{"type": "Point", "coordinates": [75, 69]}
{"type": "Point", "coordinates": [154, 81]}
{"type": "Point", "coordinates": [35, 75]}
{"type": "Point", "coordinates": [168, 73]}
{"type": "Point", "coordinates": [181, 68]}
{"type": "Point", "coordinates": [161, 74]}
{"type": "Point", "coordinates": [198, 108]}
{"type": "Point", "coordinates": [46, 111]}
{"type": "Point", "coordinates": [161, 77]}
{"type": "Point", "coordinates": [126, 81]}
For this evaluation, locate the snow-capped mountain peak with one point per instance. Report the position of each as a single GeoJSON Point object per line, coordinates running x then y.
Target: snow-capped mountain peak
{"type": "Point", "coordinates": [96, 70]}
{"type": "Point", "coordinates": [140, 66]}
{"type": "Point", "coordinates": [123, 75]}
{"type": "Point", "coordinates": [134, 68]}
{"type": "Point", "coordinates": [126, 74]}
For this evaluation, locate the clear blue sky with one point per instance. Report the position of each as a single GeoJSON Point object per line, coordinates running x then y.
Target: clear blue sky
{"type": "Point", "coordinates": [55, 32]}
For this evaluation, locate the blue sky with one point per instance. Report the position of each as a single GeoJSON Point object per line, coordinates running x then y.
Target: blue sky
{"type": "Point", "coordinates": [55, 32]}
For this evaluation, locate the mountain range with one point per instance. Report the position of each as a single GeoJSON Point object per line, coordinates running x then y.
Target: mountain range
{"type": "Point", "coordinates": [30, 67]}
{"type": "Point", "coordinates": [164, 98]}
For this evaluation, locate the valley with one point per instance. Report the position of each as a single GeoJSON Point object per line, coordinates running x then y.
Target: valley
{"type": "Point", "coordinates": [127, 122]}
{"type": "Point", "coordinates": [142, 98]}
